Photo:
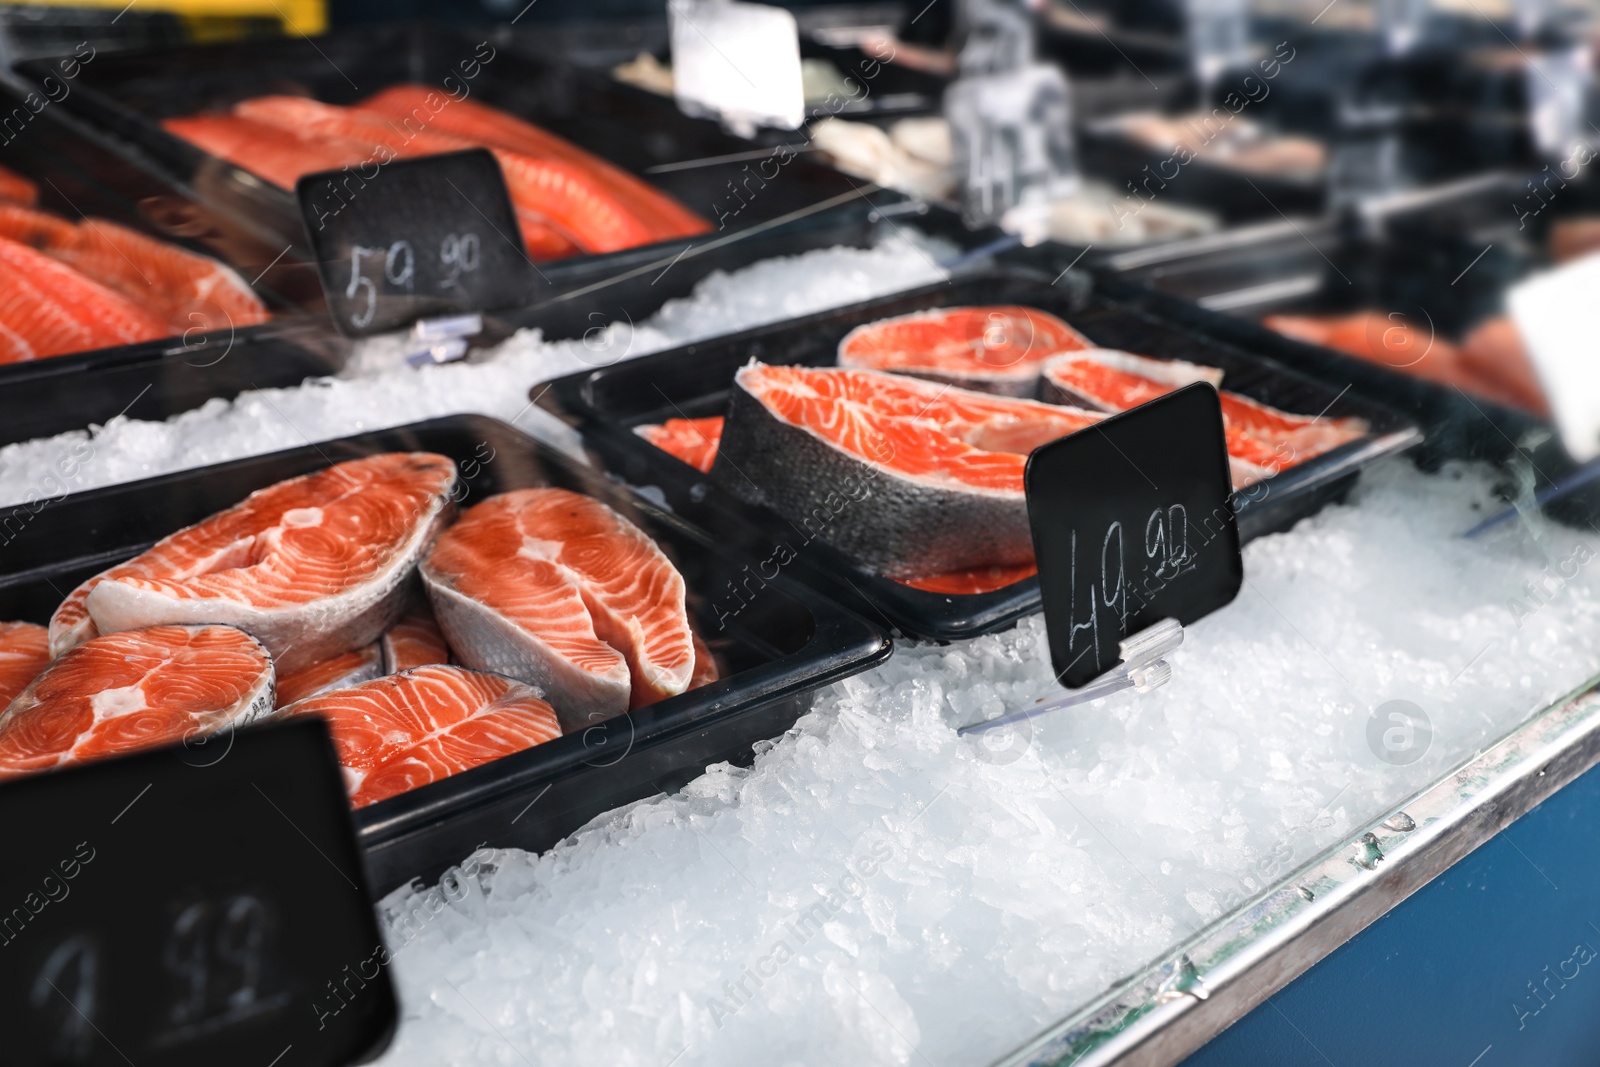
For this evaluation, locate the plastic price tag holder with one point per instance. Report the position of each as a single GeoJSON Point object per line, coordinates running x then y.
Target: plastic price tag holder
{"type": "Point", "coordinates": [416, 238]}
{"type": "Point", "coordinates": [1011, 136]}
{"type": "Point", "coordinates": [1403, 23]}
{"type": "Point", "coordinates": [739, 63]}
{"type": "Point", "coordinates": [1218, 34]}
{"type": "Point", "coordinates": [201, 903]}
{"type": "Point", "coordinates": [1135, 537]}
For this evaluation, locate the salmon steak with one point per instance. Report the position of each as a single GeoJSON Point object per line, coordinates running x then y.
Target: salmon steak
{"type": "Point", "coordinates": [336, 672]}
{"type": "Point", "coordinates": [312, 567]}
{"type": "Point", "coordinates": [996, 349]}
{"type": "Point", "coordinates": [1261, 439]}
{"type": "Point", "coordinates": [133, 690]}
{"type": "Point", "coordinates": [1103, 379]}
{"type": "Point", "coordinates": [692, 440]}
{"type": "Point", "coordinates": [555, 589]}
{"type": "Point", "coordinates": [907, 476]}
{"type": "Point", "coordinates": [695, 441]}
{"type": "Point", "coordinates": [414, 641]}
{"type": "Point", "coordinates": [409, 729]}
{"type": "Point", "coordinates": [24, 652]}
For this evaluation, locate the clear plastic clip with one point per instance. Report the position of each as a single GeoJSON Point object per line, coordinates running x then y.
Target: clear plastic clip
{"type": "Point", "coordinates": [1142, 669]}
{"type": "Point", "coordinates": [441, 340]}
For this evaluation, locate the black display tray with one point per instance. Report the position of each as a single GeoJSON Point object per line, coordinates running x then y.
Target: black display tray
{"type": "Point", "coordinates": [78, 173]}
{"type": "Point", "coordinates": [1233, 194]}
{"type": "Point", "coordinates": [1441, 259]}
{"type": "Point", "coordinates": [692, 381]}
{"type": "Point", "coordinates": [127, 94]}
{"type": "Point", "coordinates": [632, 295]}
{"type": "Point", "coordinates": [773, 653]}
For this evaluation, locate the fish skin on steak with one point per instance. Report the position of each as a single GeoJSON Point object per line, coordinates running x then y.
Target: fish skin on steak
{"type": "Point", "coordinates": [908, 477]}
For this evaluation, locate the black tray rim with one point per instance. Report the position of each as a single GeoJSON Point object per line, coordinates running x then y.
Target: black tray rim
{"type": "Point", "coordinates": [919, 613]}
{"type": "Point", "coordinates": [859, 645]}
{"type": "Point", "coordinates": [142, 141]}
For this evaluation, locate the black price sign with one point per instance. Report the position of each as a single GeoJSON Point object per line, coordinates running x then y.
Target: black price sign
{"type": "Point", "coordinates": [1131, 525]}
{"type": "Point", "coordinates": [197, 904]}
{"type": "Point", "coordinates": [436, 235]}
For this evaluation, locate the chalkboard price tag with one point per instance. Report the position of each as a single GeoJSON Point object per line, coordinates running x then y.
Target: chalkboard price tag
{"type": "Point", "coordinates": [1131, 525]}
{"type": "Point", "coordinates": [202, 903]}
{"type": "Point", "coordinates": [435, 235]}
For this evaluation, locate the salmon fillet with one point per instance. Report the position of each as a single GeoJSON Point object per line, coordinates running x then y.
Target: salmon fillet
{"type": "Point", "coordinates": [559, 193]}
{"type": "Point", "coordinates": [273, 153]}
{"type": "Point", "coordinates": [484, 125]}
{"type": "Point", "coordinates": [133, 690]}
{"type": "Point", "coordinates": [48, 309]}
{"type": "Point", "coordinates": [24, 652]}
{"type": "Point", "coordinates": [35, 228]}
{"type": "Point", "coordinates": [378, 139]}
{"type": "Point", "coordinates": [1377, 337]}
{"type": "Point", "coordinates": [187, 290]}
{"type": "Point", "coordinates": [183, 289]}
{"type": "Point", "coordinates": [313, 566]}
{"type": "Point", "coordinates": [16, 189]}
{"type": "Point", "coordinates": [566, 200]}
{"type": "Point", "coordinates": [409, 729]}
{"type": "Point", "coordinates": [557, 590]}
{"type": "Point", "coordinates": [994, 349]}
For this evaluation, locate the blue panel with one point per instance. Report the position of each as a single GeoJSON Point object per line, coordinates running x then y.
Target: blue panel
{"type": "Point", "coordinates": [1496, 962]}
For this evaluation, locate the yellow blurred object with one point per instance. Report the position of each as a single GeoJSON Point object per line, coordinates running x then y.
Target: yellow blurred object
{"type": "Point", "coordinates": [297, 16]}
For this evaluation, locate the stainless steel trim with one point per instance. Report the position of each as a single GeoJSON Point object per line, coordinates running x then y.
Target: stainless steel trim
{"type": "Point", "coordinates": [1173, 1006]}
{"type": "Point", "coordinates": [1222, 240]}
{"type": "Point", "coordinates": [1267, 292]}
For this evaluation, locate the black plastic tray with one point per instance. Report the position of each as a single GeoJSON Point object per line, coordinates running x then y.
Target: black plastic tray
{"type": "Point", "coordinates": [1457, 426]}
{"type": "Point", "coordinates": [773, 653]}
{"type": "Point", "coordinates": [694, 380]}
{"type": "Point", "coordinates": [1235, 195]}
{"type": "Point", "coordinates": [1443, 260]}
{"type": "Point", "coordinates": [127, 95]}
{"type": "Point", "coordinates": [631, 295]}
{"type": "Point", "coordinates": [78, 173]}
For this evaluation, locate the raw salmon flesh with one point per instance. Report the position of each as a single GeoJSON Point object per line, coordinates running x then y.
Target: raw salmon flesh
{"type": "Point", "coordinates": [907, 476]}
{"type": "Point", "coordinates": [133, 690]}
{"type": "Point", "coordinates": [24, 652]}
{"type": "Point", "coordinates": [313, 566]}
{"type": "Point", "coordinates": [406, 730]}
{"type": "Point", "coordinates": [557, 590]}
{"type": "Point", "coordinates": [74, 286]}
{"type": "Point", "coordinates": [567, 200]}
{"type": "Point", "coordinates": [996, 349]}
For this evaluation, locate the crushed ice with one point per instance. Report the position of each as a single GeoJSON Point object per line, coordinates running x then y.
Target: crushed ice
{"type": "Point", "coordinates": [876, 890]}
{"type": "Point", "coordinates": [379, 390]}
